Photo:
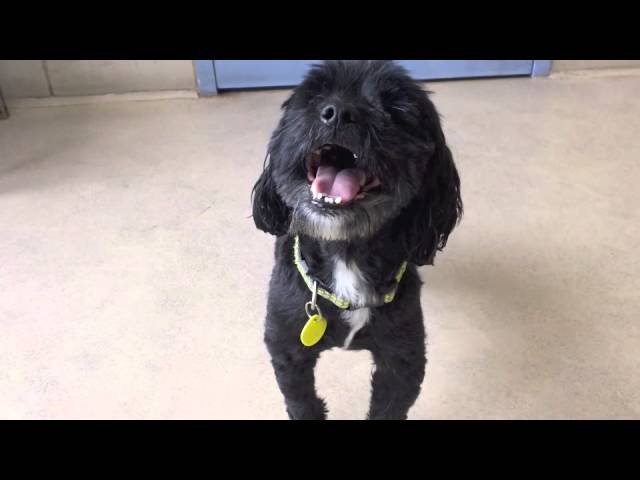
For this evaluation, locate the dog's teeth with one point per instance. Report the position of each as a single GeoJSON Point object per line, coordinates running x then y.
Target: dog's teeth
{"type": "Point", "coordinates": [355, 156]}
{"type": "Point", "coordinates": [337, 200]}
{"type": "Point", "coordinates": [328, 199]}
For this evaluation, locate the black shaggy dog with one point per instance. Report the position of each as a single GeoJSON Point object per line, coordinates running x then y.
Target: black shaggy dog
{"type": "Point", "coordinates": [360, 187]}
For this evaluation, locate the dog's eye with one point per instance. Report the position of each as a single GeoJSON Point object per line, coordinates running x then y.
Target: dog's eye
{"type": "Point", "coordinates": [399, 109]}
{"type": "Point", "coordinates": [393, 103]}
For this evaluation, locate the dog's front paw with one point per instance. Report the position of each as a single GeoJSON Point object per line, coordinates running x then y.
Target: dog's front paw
{"type": "Point", "coordinates": [398, 416]}
{"type": "Point", "coordinates": [308, 411]}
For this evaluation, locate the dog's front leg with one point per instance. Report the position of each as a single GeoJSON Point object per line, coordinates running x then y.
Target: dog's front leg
{"type": "Point", "coordinates": [396, 381]}
{"type": "Point", "coordinates": [296, 380]}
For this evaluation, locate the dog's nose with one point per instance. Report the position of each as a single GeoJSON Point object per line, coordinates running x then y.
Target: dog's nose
{"type": "Point", "coordinates": [332, 114]}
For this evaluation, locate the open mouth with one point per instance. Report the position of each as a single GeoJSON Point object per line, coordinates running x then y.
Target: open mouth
{"type": "Point", "coordinates": [334, 179]}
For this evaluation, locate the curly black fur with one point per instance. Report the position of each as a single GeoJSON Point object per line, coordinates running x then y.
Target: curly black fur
{"type": "Point", "coordinates": [395, 131]}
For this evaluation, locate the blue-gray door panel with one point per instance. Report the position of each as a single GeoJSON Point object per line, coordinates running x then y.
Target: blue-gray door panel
{"type": "Point", "coordinates": [260, 73]}
{"type": "Point", "coordinates": [232, 74]}
{"type": "Point", "coordinates": [435, 69]}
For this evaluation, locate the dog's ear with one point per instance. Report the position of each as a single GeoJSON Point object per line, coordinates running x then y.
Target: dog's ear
{"type": "Point", "coordinates": [430, 218]}
{"type": "Point", "coordinates": [270, 213]}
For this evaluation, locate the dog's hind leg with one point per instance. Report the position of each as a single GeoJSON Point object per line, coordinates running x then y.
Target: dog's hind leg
{"type": "Point", "coordinates": [397, 379]}
{"type": "Point", "coordinates": [296, 380]}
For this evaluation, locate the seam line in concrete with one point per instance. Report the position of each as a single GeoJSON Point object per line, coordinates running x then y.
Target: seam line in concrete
{"type": "Point", "coordinates": [45, 68]}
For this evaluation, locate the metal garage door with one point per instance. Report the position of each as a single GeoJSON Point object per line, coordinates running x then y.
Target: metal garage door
{"type": "Point", "coordinates": [232, 74]}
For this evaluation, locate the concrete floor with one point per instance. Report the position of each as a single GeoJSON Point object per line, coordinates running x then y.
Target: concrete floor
{"type": "Point", "coordinates": [133, 283]}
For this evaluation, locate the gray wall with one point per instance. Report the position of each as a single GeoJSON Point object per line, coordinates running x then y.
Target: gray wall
{"type": "Point", "coordinates": [23, 78]}
{"type": "Point", "coordinates": [42, 78]}
{"type": "Point", "coordinates": [564, 65]}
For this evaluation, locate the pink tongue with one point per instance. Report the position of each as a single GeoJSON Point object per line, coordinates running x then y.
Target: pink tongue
{"type": "Point", "coordinates": [343, 183]}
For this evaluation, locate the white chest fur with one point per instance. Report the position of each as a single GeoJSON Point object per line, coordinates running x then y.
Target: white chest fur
{"type": "Point", "coordinates": [349, 283]}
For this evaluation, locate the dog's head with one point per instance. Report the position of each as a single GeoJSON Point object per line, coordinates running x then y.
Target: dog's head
{"type": "Point", "coordinates": [360, 147]}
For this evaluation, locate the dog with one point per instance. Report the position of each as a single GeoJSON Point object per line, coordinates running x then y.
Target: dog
{"type": "Point", "coordinates": [360, 188]}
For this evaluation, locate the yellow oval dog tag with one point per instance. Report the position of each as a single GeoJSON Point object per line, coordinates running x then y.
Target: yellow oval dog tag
{"type": "Point", "coordinates": [313, 330]}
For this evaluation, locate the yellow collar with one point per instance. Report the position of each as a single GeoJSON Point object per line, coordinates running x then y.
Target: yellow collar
{"type": "Point", "coordinates": [332, 297]}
